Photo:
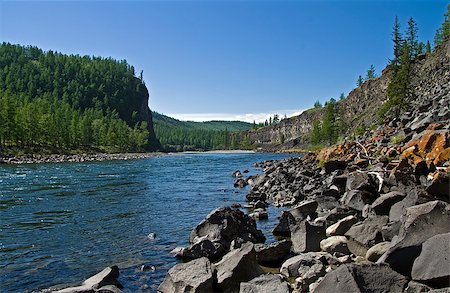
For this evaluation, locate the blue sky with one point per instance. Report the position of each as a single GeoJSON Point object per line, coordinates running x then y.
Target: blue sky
{"type": "Point", "coordinates": [226, 60]}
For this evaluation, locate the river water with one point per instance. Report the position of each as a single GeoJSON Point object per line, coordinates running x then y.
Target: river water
{"type": "Point", "coordinates": [61, 223]}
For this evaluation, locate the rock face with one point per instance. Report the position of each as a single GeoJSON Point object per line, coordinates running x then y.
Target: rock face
{"type": "Point", "coordinates": [341, 226]}
{"type": "Point", "coordinates": [362, 278]}
{"type": "Point", "coordinates": [105, 281]}
{"type": "Point", "coordinates": [306, 237]}
{"type": "Point", "coordinates": [194, 276]}
{"type": "Point", "coordinates": [432, 265]}
{"type": "Point", "coordinates": [274, 253]}
{"type": "Point", "coordinates": [267, 283]}
{"type": "Point", "coordinates": [421, 223]}
{"type": "Point", "coordinates": [237, 266]}
{"type": "Point", "coordinates": [368, 232]}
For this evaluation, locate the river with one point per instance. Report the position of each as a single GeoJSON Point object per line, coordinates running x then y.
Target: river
{"type": "Point", "coordinates": [61, 223]}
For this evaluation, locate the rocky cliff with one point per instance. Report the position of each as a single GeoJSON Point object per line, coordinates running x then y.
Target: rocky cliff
{"type": "Point", "coordinates": [431, 84]}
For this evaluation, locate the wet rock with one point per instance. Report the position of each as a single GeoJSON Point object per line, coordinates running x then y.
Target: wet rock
{"type": "Point", "coordinates": [362, 278]}
{"type": "Point", "coordinates": [341, 226]}
{"type": "Point", "coordinates": [202, 248]}
{"type": "Point", "coordinates": [194, 276]}
{"type": "Point", "coordinates": [383, 204]}
{"type": "Point", "coordinates": [335, 244]}
{"type": "Point", "coordinates": [259, 215]}
{"type": "Point", "coordinates": [237, 266]}
{"type": "Point", "coordinates": [306, 237]}
{"type": "Point", "coordinates": [240, 183]}
{"type": "Point", "coordinates": [237, 174]}
{"type": "Point", "coordinates": [368, 232]}
{"type": "Point", "coordinates": [260, 204]}
{"type": "Point", "coordinates": [254, 196]}
{"type": "Point", "coordinates": [376, 251]}
{"type": "Point", "coordinates": [273, 253]}
{"type": "Point", "coordinates": [432, 265]}
{"type": "Point", "coordinates": [268, 283]}
{"type": "Point", "coordinates": [107, 277]}
{"type": "Point", "coordinates": [282, 228]}
{"type": "Point", "coordinates": [421, 222]}
{"type": "Point", "coordinates": [226, 224]}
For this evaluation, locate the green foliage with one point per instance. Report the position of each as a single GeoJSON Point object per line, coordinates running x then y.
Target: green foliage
{"type": "Point", "coordinates": [328, 130]}
{"type": "Point", "coordinates": [72, 101]}
{"type": "Point", "coordinates": [428, 48]}
{"type": "Point", "coordinates": [176, 135]}
{"type": "Point", "coordinates": [444, 31]}
{"type": "Point", "coordinates": [412, 39]}
{"type": "Point", "coordinates": [317, 104]}
{"type": "Point", "coordinates": [371, 74]}
{"type": "Point", "coordinates": [341, 97]}
{"type": "Point", "coordinates": [399, 88]}
{"type": "Point", "coordinates": [398, 41]}
{"type": "Point", "coordinates": [398, 138]}
{"type": "Point", "coordinates": [360, 81]}
{"type": "Point", "coordinates": [49, 123]}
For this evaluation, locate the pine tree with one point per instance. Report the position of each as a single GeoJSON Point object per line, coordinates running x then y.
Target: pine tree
{"type": "Point", "coordinates": [398, 40]}
{"type": "Point", "coordinates": [360, 81]}
{"type": "Point", "coordinates": [428, 48]}
{"type": "Point", "coordinates": [317, 104]}
{"type": "Point", "coordinates": [412, 39]}
{"type": "Point", "coordinates": [341, 97]}
{"type": "Point", "coordinates": [371, 73]}
{"type": "Point", "coordinates": [444, 31]}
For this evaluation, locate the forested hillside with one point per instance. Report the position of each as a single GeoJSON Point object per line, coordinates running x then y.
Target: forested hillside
{"type": "Point", "coordinates": [50, 100]}
{"type": "Point", "coordinates": [176, 135]}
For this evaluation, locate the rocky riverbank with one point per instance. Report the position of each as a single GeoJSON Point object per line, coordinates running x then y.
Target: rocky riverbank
{"type": "Point", "coordinates": [57, 158]}
{"type": "Point", "coordinates": [371, 215]}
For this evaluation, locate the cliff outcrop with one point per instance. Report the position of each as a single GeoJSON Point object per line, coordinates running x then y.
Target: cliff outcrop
{"type": "Point", "coordinates": [430, 80]}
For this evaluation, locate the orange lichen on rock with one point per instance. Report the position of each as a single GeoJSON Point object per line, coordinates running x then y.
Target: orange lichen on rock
{"type": "Point", "coordinates": [432, 147]}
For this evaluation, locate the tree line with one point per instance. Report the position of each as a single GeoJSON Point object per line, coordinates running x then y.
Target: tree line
{"type": "Point", "coordinates": [50, 99]}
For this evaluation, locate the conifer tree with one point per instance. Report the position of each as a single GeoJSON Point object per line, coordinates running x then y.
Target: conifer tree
{"type": "Point", "coordinates": [412, 39]}
{"type": "Point", "coordinates": [398, 40]}
{"type": "Point", "coordinates": [371, 73]}
{"type": "Point", "coordinates": [428, 48]}
{"type": "Point", "coordinates": [444, 30]}
{"type": "Point", "coordinates": [360, 81]}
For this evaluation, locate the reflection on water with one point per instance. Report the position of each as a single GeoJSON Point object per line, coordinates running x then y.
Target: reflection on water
{"type": "Point", "coordinates": [60, 223]}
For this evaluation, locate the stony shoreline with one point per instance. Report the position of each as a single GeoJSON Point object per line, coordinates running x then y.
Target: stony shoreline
{"type": "Point", "coordinates": [61, 158]}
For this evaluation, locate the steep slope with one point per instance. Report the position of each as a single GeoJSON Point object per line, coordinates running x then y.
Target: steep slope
{"type": "Point", "coordinates": [82, 82]}
{"type": "Point", "coordinates": [430, 81]}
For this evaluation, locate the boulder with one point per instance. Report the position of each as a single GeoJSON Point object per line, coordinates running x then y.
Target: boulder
{"type": "Point", "coordinates": [304, 209]}
{"type": "Point", "coordinates": [259, 215]}
{"type": "Point", "coordinates": [361, 278]}
{"type": "Point", "coordinates": [383, 204]}
{"type": "Point", "coordinates": [306, 237]}
{"type": "Point", "coordinates": [194, 276]}
{"type": "Point", "coordinates": [341, 226]}
{"type": "Point", "coordinates": [237, 174]}
{"type": "Point", "coordinates": [268, 283]}
{"type": "Point", "coordinates": [237, 266]}
{"type": "Point", "coordinates": [202, 248]}
{"type": "Point", "coordinates": [307, 265]}
{"type": "Point", "coordinates": [255, 196]}
{"type": "Point", "coordinates": [107, 278]}
{"type": "Point", "coordinates": [439, 184]}
{"type": "Point", "coordinates": [260, 204]}
{"type": "Point", "coordinates": [416, 287]}
{"type": "Point", "coordinates": [358, 180]}
{"type": "Point", "coordinates": [240, 183]}
{"type": "Point", "coordinates": [420, 223]}
{"type": "Point", "coordinates": [376, 251]}
{"type": "Point", "coordinates": [368, 232]}
{"type": "Point", "coordinates": [398, 210]}
{"type": "Point", "coordinates": [223, 225]}
{"type": "Point", "coordinates": [333, 165]}
{"type": "Point", "coordinates": [273, 253]}
{"type": "Point", "coordinates": [432, 266]}
{"type": "Point", "coordinates": [335, 244]}
{"type": "Point", "coordinates": [357, 199]}
{"type": "Point", "coordinates": [282, 228]}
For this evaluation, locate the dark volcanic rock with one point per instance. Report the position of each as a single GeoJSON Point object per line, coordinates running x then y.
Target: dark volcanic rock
{"type": "Point", "coordinates": [194, 276]}
{"type": "Point", "coordinates": [342, 226]}
{"type": "Point", "coordinates": [282, 228]}
{"type": "Point", "coordinates": [304, 209]}
{"type": "Point", "coordinates": [335, 244]}
{"type": "Point", "coordinates": [433, 264]}
{"type": "Point", "coordinates": [240, 183]}
{"type": "Point", "coordinates": [267, 283]}
{"type": "Point", "coordinates": [237, 266]}
{"type": "Point", "coordinates": [382, 205]}
{"type": "Point", "coordinates": [202, 248]}
{"type": "Point", "coordinates": [223, 225]}
{"type": "Point", "coordinates": [273, 253]}
{"type": "Point", "coordinates": [362, 278]}
{"type": "Point", "coordinates": [357, 199]}
{"type": "Point", "coordinates": [333, 165]}
{"type": "Point", "coordinates": [360, 181]}
{"type": "Point", "coordinates": [368, 232]}
{"type": "Point", "coordinates": [421, 222]}
{"type": "Point", "coordinates": [307, 265]}
{"type": "Point", "coordinates": [306, 237]}
{"type": "Point", "coordinates": [106, 279]}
